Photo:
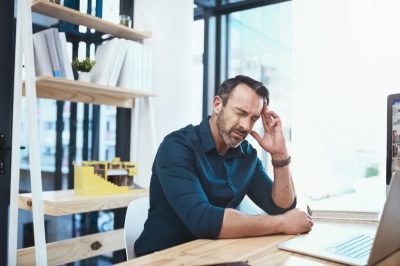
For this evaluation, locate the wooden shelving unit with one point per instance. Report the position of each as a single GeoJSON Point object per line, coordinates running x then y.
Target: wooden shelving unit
{"type": "Point", "coordinates": [65, 202]}
{"type": "Point", "coordinates": [75, 17]}
{"type": "Point", "coordinates": [84, 92]}
{"type": "Point", "coordinates": [79, 248]}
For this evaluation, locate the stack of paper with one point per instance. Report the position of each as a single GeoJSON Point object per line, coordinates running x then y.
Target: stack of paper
{"type": "Point", "coordinates": [360, 215]}
{"type": "Point", "coordinates": [352, 206]}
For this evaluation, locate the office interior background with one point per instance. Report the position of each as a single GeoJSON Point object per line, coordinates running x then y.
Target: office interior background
{"type": "Point", "coordinates": [329, 66]}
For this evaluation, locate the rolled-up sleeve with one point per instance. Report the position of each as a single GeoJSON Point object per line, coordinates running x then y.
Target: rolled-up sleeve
{"type": "Point", "coordinates": [175, 167]}
{"type": "Point", "coordinates": [260, 192]}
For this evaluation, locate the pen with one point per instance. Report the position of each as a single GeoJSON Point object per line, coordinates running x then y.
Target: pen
{"type": "Point", "coordinates": [309, 211]}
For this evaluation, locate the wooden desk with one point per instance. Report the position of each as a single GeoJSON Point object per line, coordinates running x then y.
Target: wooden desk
{"type": "Point", "coordinates": [256, 250]}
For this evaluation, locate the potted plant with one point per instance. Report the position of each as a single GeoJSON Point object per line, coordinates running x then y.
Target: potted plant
{"type": "Point", "coordinates": [83, 67]}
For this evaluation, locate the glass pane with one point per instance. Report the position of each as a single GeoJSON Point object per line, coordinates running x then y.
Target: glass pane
{"type": "Point", "coordinates": [197, 65]}
{"type": "Point", "coordinates": [47, 112]}
{"type": "Point", "coordinates": [259, 46]}
{"type": "Point", "coordinates": [108, 117]}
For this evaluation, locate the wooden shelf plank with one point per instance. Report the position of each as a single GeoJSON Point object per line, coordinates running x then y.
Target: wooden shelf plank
{"type": "Point", "coordinates": [84, 92]}
{"type": "Point", "coordinates": [79, 248]}
{"type": "Point", "coordinates": [75, 17]}
{"type": "Point", "coordinates": [65, 202]}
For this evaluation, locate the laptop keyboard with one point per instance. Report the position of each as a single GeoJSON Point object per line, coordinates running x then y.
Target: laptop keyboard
{"type": "Point", "coordinates": [356, 247]}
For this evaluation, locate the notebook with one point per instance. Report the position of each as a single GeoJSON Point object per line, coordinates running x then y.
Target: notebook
{"type": "Point", "coordinates": [361, 215]}
{"type": "Point", "coordinates": [358, 246]}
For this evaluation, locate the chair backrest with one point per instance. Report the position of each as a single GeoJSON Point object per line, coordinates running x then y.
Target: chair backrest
{"type": "Point", "coordinates": [249, 207]}
{"type": "Point", "coordinates": [135, 217]}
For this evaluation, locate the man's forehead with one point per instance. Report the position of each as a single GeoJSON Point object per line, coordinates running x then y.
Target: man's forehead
{"type": "Point", "coordinates": [246, 99]}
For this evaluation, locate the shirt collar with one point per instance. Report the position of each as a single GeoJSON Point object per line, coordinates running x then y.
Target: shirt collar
{"type": "Point", "coordinates": [206, 137]}
{"type": "Point", "coordinates": [208, 143]}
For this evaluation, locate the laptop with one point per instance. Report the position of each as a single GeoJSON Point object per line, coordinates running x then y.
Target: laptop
{"type": "Point", "coordinates": [358, 245]}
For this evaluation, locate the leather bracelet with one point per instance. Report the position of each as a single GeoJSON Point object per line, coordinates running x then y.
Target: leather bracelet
{"type": "Point", "coordinates": [281, 163]}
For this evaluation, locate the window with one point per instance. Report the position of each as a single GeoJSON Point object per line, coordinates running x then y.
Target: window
{"type": "Point", "coordinates": [259, 45]}
{"type": "Point", "coordinates": [198, 66]}
{"type": "Point", "coordinates": [339, 126]}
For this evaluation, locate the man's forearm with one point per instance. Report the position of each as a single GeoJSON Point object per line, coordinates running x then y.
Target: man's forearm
{"type": "Point", "coordinates": [237, 224]}
{"type": "Point", "coordinates": [283, 191]}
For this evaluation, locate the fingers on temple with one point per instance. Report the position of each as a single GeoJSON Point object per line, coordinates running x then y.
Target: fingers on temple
{"type": "Point", "coordinates": [273, 114]}
{"type": "Point", "coordinates": [256, 136]}
{"type": "Point", "coordinates": [266, 118]}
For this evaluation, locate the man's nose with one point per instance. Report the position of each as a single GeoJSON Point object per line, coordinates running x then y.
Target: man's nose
{"type": "Point", "coordinates": [245, 124]}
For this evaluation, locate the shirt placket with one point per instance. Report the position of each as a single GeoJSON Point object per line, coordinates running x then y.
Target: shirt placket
{"type": "Point", "coordinates": [228, 170]}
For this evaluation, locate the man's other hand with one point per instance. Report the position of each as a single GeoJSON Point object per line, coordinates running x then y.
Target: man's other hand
{"type": "Point", "coordinates": [296, 222]}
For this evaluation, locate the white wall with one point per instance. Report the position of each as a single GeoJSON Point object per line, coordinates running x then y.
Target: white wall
{"type": "Point", "coordinates": [346, 60]}
{"type": "Point", "coordinates": [171, 25]}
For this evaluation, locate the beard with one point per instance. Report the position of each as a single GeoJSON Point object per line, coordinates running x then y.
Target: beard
{"type": "Point", "coordinates": [227, 133]}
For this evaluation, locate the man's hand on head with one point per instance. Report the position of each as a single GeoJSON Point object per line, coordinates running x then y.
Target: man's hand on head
{"type": "Point", "coordinates": [273, 140]}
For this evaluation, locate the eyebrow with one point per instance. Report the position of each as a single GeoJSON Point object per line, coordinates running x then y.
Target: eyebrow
{"type": "Point", "coordinates": [241, 110]}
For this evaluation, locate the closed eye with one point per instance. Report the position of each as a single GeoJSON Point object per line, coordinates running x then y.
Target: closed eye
{"type": "Point", "coordinates": [255, 118]}
{"type": "Point", "coordinates": [241, 113]}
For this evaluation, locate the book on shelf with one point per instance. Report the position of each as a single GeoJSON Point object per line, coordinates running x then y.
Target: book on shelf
{"type": "Point", "coordinates": [109, 60]}
{"type": "Point", "coordinates": [123, 63]}
{"type": "Point", "coordinates": [137, 67]}
{"type": "Point", "coordinates": [41, 55]}
{"type": "Point", "coordinates": [62, 54]}
{"type": "Point", "coordinates": [59, 52]}
{"type": "Point", "coordinates": [118, 61]}
{"type": "Point", "coordinates": [128, 74]}
{"type": "Point", "coordinates": [51, 55]}
{"type": "Point", "coordinates": [148, 69]}
{"type": "Point", "coordinates": [66, 60]}
{"type": "Point", "coordinates": [51, 46]}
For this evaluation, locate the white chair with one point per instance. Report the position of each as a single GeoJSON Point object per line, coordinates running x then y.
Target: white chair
{"type": "Point", "coordinates": [249, 207]}
{"type": "Point", "coordinates": [136, 215]}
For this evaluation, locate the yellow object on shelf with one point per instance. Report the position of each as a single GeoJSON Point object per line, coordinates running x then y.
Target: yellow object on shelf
{"type": "Point", "coordinates": [103, 178]}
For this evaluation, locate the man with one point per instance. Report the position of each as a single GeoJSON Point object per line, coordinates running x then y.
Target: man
{"type": "Point", "coordinates": [201, 174]}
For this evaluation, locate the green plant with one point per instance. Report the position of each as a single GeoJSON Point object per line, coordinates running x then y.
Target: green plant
{"type": "Point", "coordinates": [84, 65]}
{"type": "Point", "coordinates": [372, 170]}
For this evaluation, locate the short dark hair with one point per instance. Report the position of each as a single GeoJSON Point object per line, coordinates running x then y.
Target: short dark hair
{"type": "Point", "coordinates": [229, 85]}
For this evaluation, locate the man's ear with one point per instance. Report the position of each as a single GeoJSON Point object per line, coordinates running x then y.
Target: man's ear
{"type": "Point", "coordinates": [217, 104]}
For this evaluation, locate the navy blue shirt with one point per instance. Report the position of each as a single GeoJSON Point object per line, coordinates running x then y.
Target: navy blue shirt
{"type": "Point", "coordinates": [191, 185]}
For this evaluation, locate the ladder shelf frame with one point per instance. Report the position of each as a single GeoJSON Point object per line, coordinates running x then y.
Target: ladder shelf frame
{"type": "Point", "coordinates": [24, 51]}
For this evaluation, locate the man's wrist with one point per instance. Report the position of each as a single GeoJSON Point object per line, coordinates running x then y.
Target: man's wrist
{"type": "Point", "coordinates": [281, 163]}
{"type": "Point", "coordinates": [280, 156]}
{"type": "Point", "coordinates": [280, 223]}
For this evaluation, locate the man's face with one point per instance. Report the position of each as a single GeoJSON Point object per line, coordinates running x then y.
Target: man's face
{"type": "Point", "coordinates": [236, 119]}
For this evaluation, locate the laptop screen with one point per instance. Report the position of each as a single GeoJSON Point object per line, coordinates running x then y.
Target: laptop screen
{"type": "Point", "coordinates": [393, 137]}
